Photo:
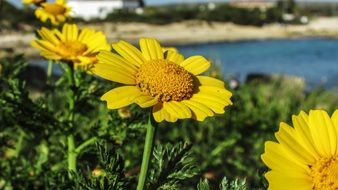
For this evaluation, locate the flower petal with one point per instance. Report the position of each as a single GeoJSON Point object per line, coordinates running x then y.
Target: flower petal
{"type": "Point", "coordinates": [209, 81]}
{"type": "Point", "coordinates": [196, 64]}
{"type": "Point", "coordinates": [282, 181]}
{"type": "Point", "coordinates": [276, 158]}
{"type": "Point", "coordinates": [221, 93]}
{"type": "Point", "coordinates": [151, 49]}
{"type": "Point", "coordinates": [289, 140]}
{"type": "Point", "coordinates": [70, 31]}
{"type": "Point", "coordinates": [145, 101]}
{"type": "Point", "coordinates": [323, 132]}
{"type": "Point", "coordinates": [116, 61]}
{"type": "Point", "coordinates": [301, 127]}
{"type": "Point", "coordinates": [129, 52]}
{"type": "Point", "coordinates": [161, 114]}
{"type": "Point", "coordinates": [48, 36]}
{"type": "Point", "coordinates": [173, 56]}
{"type": "Point", "coordinates": [121, 96]}
{"type": "Point", "coordinates": [113, 71]}
{"type": "Point", "coordinates": [199, 111]}
{"type": "Point", "coordinates": [177, 109]}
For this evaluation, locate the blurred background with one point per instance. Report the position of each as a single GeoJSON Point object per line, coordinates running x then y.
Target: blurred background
{"type": "Point", "coordinates": [277, 56]}
{"type": "Point", "coordinates": [242, 37]}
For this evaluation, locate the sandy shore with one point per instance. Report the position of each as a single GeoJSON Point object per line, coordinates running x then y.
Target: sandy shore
{"type": "Point", "coordinates": [189, 32]}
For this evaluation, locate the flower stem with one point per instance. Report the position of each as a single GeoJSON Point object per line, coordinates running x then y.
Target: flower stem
{"type": "Point", "coordinates": [85, 144]}
{"type": "Point", "coordinates": [18, 146]}
{"type": "Point", "coordinates": [72, 154]}
{"type": "Point", "coordinates": [147, 152]}
{"type": "Point", "coordinates": [49, 71]}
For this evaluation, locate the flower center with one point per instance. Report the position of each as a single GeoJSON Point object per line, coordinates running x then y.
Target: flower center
{"type": "Point", "coordinates": [324, 174]}
{"type": "Point", "coordinates": [165, 80]}
{"type": "Point", "coordinates": [54, 9]}
{"type": "Point", "coordinates": [70, 49]}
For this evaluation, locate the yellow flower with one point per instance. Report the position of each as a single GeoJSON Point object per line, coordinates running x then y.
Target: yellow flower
{"type": "Point", "coordinates": [161, 79]}
{"type": "Point", "coordinates": [36, 2]}
{"type": "Point", "coordinates": [306, 155]}
{"type": "Point", "coordinates": [71, 45]}
{"type": "Point", "coordinates": [56, 12]}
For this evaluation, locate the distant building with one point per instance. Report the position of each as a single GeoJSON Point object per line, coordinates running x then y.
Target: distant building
{"type": "Point", "coordinates": [88, 9]}
{"type": "Point", "coordinates": [261, 4]}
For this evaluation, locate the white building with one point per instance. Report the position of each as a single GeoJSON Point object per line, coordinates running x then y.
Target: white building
{"type": "Point", "coordinates": [88, 9]}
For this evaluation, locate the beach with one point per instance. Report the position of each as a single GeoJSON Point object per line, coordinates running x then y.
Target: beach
{"type": "Point", "coordinates": [188, 32]}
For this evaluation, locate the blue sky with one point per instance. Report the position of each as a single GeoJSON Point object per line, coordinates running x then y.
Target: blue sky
{"type": "Point", "coordinates": [157, 2]}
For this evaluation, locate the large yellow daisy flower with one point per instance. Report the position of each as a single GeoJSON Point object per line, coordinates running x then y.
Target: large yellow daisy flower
{"type": "Point", "coordinates": [56, 12]}
{"type": "Point", "coordinates": [162, 79]}
{"type": "Point", "coordinates": [71, 45]}
{"type": "Point", "coordinates": [306, 155]}
{"type": "Point", "coordinates": [36, 2]}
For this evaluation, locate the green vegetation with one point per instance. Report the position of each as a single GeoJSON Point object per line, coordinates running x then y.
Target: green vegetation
{"type": "Point", "coordinates": [33, 147]}
{"type": "Point", "coordinates": [221, 13]}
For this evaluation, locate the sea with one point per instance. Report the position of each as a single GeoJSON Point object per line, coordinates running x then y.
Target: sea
{"type": "Point", "coordinates": [315, 60]}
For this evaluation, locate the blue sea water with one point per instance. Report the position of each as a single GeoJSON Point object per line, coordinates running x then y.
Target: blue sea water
{"type": "Point", "coordinates": [315, 60]}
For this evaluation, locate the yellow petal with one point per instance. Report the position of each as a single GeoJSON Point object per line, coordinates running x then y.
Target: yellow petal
{"type": "Point", "coordinates": [280, 181]}
{"type": "Point", "coordinates": [108, 71]}
{"type": "Point", "coordinates": [177, 109]}
{"type": "Point", "coordinates": [43, 45]}
{"type": "Point", "coordinates": [151, 49]}
{"type": "Point", "coordinates": [70, 31]}
{"type": "Point", "coordinates": [173, 56]}
{"type": "Point", "coordinates": [121, 96]}
{"type": "Point", "coordinates": [289, 140]}
{"type": "Point", "coordinates": [145, 101]}
{"type": "Point", "coordinates": [196, 64]}
{"type": "Point", "coordinates": [129, 52]}
{"type": "Point", "coordinates": [334, 119]}
{"type": "Point", "coordinates": [116, 61]}
{"type": "Point", "coordinates": [59, 35]}
{"type": "Point", "coordinates": [215, 106]}
{"type": "Point", "coordinates": [221, 93]}
{"type": "Point", "coordinates": [323, 132]}
{"type": "Point", "coordinates": [277, 158]}
{"type": "Point", "coordinates": [161, 114]}
{"type": "Point", "coordinates": [48, 36]}
{"type": "Point", "coordinates": [199, 111]}
{"type": "Point", "coordinates": [209, 81]}
{"type": "Point", "coordinates": [86, 35]}
{"type": "Point", "coordinates": [302, 129]}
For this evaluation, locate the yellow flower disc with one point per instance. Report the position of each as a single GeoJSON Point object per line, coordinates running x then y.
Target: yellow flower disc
{"type": "Point", "coordinates": [55, 9]}
{"type": "Point", "coordinates": [165, 80]}
{"type": "Point", "coordinates": [71, 49]}
{"type": "Point", "coordinates": [162, 79]}
{"type": "Point", "coordinates": [306, 155]}
{"type": "Point", "coordinates": [325, 173]}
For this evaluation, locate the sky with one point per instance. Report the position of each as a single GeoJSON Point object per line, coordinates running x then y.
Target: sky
{"type": "Point", "coordinates": [159, 2]}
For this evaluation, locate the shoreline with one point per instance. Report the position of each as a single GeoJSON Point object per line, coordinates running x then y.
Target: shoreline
{"type": "Point", "coordinates": [186, 33]}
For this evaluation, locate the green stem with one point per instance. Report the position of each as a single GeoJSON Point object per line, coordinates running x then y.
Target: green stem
{"type": "Point", "coordinates": [49, 71]}
{"type": "Point", "coordinates": [85, 144]}
{"type": "Point", "coordinates": [18, 145]}
{"type": "Point", "coordinates": [147, 152]}
{"type": "Point", "coordinates": [71, 153]}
